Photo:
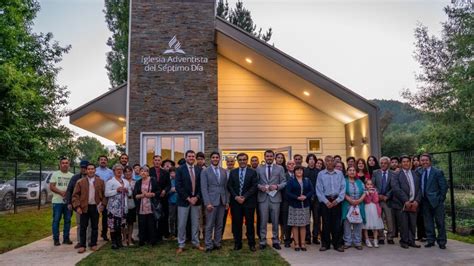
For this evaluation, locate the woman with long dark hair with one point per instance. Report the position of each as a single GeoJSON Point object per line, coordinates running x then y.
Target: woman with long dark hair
{"type": "Point", "coordinates": [372, 164]}
{"type": "Point", "coordinates": [361, 168]}
{"type": "Point", "coordinates": [280, 160]}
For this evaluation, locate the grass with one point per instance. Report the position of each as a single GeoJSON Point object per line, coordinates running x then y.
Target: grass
{"type": "Point", "coordinates": [466, 239]}
{"type": "Point", "coordinates": [164, 254]}
{"type": "Point", "coordinates": [25, 227]}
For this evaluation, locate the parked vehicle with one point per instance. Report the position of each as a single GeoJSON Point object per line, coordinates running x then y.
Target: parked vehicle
{"type": "Point", "coordinates": [28, 186]}
{"type": "Point", "coordinates": [7, 193]}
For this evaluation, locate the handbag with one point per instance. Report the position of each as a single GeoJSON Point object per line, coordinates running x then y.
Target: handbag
{"type": "Point", "coordinates": [156, 206]}
{"type": "Point", "coordinates": [353, 216]}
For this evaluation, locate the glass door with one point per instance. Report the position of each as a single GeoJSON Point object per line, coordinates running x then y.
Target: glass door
{"type": "Point", "coordinates": [169, 146]}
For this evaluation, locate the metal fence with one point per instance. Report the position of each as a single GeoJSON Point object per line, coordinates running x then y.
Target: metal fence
{"type": "Point", "coordinates": [25, 185]}
{"type": "Point", "coordinates": [458, 167]}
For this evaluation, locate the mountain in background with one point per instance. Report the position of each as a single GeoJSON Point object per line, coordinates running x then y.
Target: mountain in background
{"type": "Point", "coordinates": [401, 126]}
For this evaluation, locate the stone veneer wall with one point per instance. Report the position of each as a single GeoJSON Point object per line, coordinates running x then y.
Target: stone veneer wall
{"type": "Point", "coordinates": [175, 101]}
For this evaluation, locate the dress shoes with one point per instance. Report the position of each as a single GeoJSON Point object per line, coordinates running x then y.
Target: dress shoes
{"type": "Point", "coordinates": [443, 246]}
{"type": "Point", "coordinates": [81, 250]}
{"type": "Point", "coordinates": [179, 251]}
{"type": "Point", "coordinates": [94, 248]}
{"type": "Point", "coordinates": [390, 242]}
{"type": "Point", "coordinates": [381, 242]}
{"type": "Point", "coordinates": [428, 245]}
{"type": "Point", "coordinates": [287, 245]}
{"type": "Point", "coordinates": [252, 248]}
{"type": "Point", "coordinates": [198, 247]}
{"type": "Point", "coordinates": [323, 248]}
{"type": "Point", "coordinates": [208, 250]}
{"type": "Point", "coordinates": [340, 249]}
{"type": "Point", "coordinates": [262, 247]}
{"type": "Point", "coordinates": [237, 247]}
{"type": "Point", "coordinates": [67, 242]}
{"type": "Point", "coordinates": [277, 246]}
{"type": "Point", "coordinates": [316, 241]}
{"type": "Point", "coordinates": [414, 245]}
{"type": "Point", "coordinates": [403, 245]}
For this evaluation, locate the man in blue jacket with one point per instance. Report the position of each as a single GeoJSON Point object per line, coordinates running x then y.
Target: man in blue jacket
{"type": "Point", "coordinates": [433, 191]}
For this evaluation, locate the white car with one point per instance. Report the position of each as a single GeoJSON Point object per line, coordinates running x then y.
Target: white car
{"type": "Point", "coordinates": [28, 186]}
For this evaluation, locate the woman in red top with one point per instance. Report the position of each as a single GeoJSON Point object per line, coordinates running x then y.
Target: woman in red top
{"type": "Point", "coordinates": [362, 172]}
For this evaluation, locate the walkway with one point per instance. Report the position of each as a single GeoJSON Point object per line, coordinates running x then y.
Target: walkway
{"type": "Point", "coordinates": [43, 252]}
{"type": "Point", "coordinates": [457, 253]}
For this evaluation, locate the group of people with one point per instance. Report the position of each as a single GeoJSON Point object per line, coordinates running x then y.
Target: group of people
{"type": "Point", "coordinates": [365, 202]}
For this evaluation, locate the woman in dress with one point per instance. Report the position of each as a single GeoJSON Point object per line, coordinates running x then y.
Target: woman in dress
{"type": "Point", "coordinates": [354, 197]}
{"type": "Point", "coordinates": [145, 189]}
{"type": "Point", "coordinates": [117, 191]}
{"type": "Point", "coordinates": [299, 192]}
{"type": "Point", "coordinates": [132, 211]}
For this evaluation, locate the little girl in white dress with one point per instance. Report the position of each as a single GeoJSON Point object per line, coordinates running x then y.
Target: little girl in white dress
{"type": "Point", "coordinates": [373, 214]}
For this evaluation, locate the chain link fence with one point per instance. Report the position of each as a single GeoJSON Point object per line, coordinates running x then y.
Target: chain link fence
{"type": "Point", "coordinates": [458, 167]}
{"type": "Point", "coordinates": [25, 185]}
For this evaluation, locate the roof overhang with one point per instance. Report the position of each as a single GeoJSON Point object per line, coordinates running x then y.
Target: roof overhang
{"type": "Point", "coordinates": [104, 115]}
{"type": "Point", "coordinates": [289, 74]}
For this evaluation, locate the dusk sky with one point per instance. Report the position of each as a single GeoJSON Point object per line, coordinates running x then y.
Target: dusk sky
{"type": "Point", "coordinates": [366, 45]}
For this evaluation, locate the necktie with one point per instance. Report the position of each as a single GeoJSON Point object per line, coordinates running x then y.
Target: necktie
{"type": "Point", "coordinates": [384, 182]}
{"type": "Point", "coordinates": [241, 180]}
{"type": "Point", "coordinates": [269, 172]}
{"type": "Point", "coordinates": [216, 171]}
{"type": "Point", "coordinates": [425, 179]}
{"type": "Point", "coordinates": [193, 178]}
{"type": "Point", "coordinates": [412, 189]}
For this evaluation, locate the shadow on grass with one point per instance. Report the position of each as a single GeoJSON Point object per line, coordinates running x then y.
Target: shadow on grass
{"type": "Point", "coordinates": [164, 254]}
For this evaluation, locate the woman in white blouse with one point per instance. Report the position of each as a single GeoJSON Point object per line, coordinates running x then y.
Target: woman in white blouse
{"type": "Point", "coordinates": [117, 190]}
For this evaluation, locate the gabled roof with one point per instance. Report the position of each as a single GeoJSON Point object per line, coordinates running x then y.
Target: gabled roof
{"type": "Point", "coordinates": [236, 44]}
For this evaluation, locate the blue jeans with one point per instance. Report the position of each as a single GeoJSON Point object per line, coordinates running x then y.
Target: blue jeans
{"type": "Point", "coordinates": [60, 209]}
{"type": "Point", "coordinates": [352, 233]}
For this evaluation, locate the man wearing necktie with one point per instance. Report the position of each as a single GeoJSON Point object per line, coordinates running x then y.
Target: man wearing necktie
{"type": "Point", "coordinates": [188, 187]}
{"type": "Point", "coordinates": [406, 198]}
{"type": "Point", "coordinates": [382, 178]}
{"type": "Point", "coordinates": [242, 186]}
{"type": "Point", "coordinates": [271, 180]}
{"type": "Point", "coordinates": [216, 201]}
{"type": "Point", "coordinates": [433, 189]}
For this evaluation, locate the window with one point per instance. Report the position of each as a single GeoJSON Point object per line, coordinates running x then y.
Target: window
{"type": "Point", "coordinates": [171, 146]}
{"type": "Point", "coordinates": [315, 146]}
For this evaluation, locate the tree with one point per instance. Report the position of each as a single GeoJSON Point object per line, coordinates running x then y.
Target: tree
{"type": "Point", "coordinates": [90, 148]}
{"type": "Point", "coordinates": [446, 82]}
{"type": "Point", "coordinates": [31, 102]}
{"type": "Point", "coordinates": [242, 18]}
{"type": "Point", "coordinates": [117, 17]}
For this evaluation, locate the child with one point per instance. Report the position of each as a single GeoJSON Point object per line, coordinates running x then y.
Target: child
{"type": "Point", "coordinates": [172, 197]}
{"type": "Point", "coordinates": [373, 214]}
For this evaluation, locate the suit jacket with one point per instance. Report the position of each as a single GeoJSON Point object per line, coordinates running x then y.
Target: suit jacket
{"type": "Point", "coordinates": [277, 178]}
{"type": "Point", "coordinates": [293, 191]}
{"type": "Point", "coordinates": [164, 181]}
{"type": "Point", "coordinates": [401, 189]}
{"type": "Point", "coordinates": [80, 195]}
{"type": "Point", "coordinates": [214, 190]}
{"type": "Point", "coordinates": [184, 186]}
{"type": "Point", "coordinates": [138, 190]}
{"type": "Point", "coordinates": [249, 190]}
{"type": "Point", "coordinates": [436, 187]}
{"type": "Point", "coordinates": [377, 176]}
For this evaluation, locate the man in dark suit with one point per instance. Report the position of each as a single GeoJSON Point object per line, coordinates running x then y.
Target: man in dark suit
{"type": "Point", "coordinates": [242, 186]}
{"type": "Point", "coordinates": [189, 200]}
{"type": "Point", "coordinates": [164, 183]}
{"type": "Point", "coordinates": [406, 199]}
{"type": "Point", "coordinates": [433, 189]}
{"type": "Point", "coordinates": [382, 178]}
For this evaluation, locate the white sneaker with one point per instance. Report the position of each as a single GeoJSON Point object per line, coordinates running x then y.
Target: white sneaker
{"type": "Point", "coordinates": [376, 243]}
{"type": "Point", "coordinates": [368, 244]}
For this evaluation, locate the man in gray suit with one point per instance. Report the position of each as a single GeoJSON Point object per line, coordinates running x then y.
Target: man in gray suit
{"type": "Point", "coordinates": [271, 179]}
{"type": "Point", "coordinates": [216, 201]}
{"type": "Point", "coordinates": [382, 178]}
{"type": "Point", "coordinates": [406, 199]}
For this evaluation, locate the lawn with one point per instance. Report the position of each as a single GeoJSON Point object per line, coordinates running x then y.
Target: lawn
{"type": "Point", "coordinates": [25, 227]}
{"type": "Point", "coordinates": [164, 254]}
{"type": "Point", "coordinates": [466, 239]}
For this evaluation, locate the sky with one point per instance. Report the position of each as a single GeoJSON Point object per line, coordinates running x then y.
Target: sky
{"type": "Point", "coordinates": [366, 45]}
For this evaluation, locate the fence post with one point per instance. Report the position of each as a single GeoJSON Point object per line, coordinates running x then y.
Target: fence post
{"type": "Point", "coordinates": [39, 188]}
{"type": "Point", "coordinates": [451, 192]}
{"type": "Point", "coordinates": [14, 191]}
